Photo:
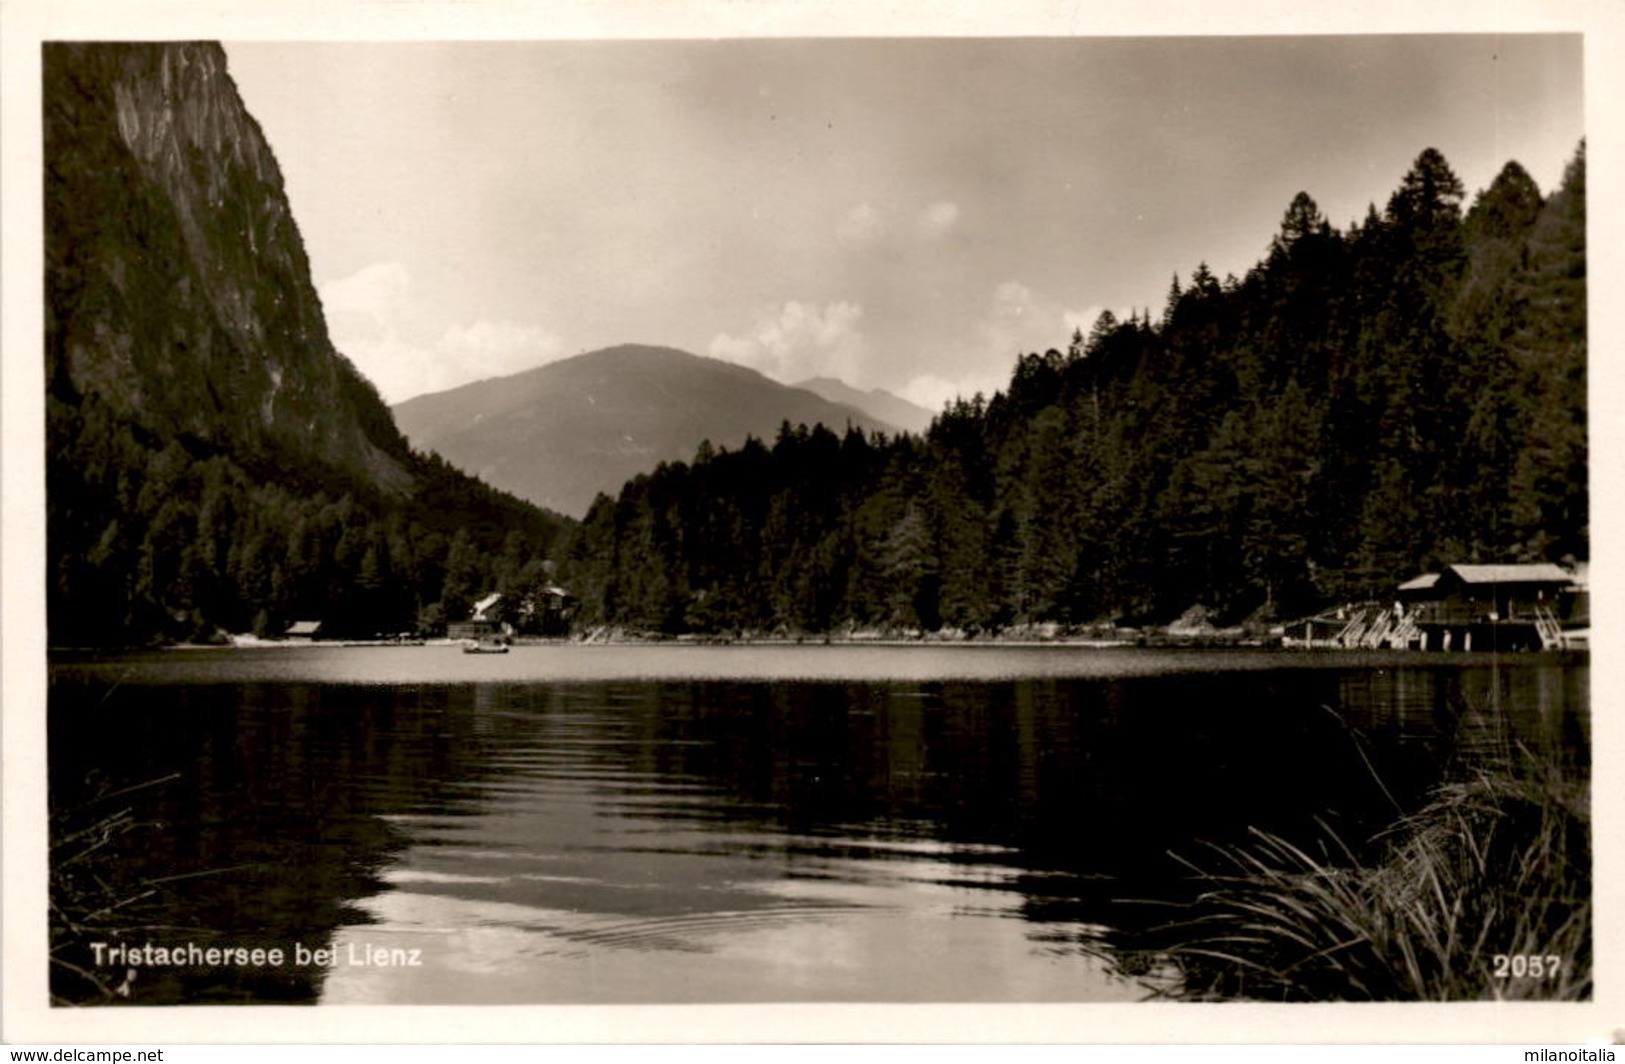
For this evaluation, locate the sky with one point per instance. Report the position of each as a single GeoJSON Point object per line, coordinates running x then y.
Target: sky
{"type": "Point", "coordinates": [904, 213]}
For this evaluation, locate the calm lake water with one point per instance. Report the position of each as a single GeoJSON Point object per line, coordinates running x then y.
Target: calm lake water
{"type": "Point", "coordinates": [662, 824]}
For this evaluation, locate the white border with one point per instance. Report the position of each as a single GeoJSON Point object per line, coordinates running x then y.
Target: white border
{"type": "Point", "coordinates": [26, 1018]}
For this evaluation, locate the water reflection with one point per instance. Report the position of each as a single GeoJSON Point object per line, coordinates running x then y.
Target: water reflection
{"type": "Point", "coordinates": [739, 840]}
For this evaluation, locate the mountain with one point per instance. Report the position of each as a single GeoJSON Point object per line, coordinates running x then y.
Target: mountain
{"type": "Point", "coordinates": [560, 434]}
{"type": "Point", "coordinates": [876, 402]}
{"type": "Point", "coordinates": [211, 461]}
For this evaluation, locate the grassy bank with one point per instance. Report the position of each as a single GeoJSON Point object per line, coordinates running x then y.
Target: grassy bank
{"type": "Point", "coordinates": [1484, 893]}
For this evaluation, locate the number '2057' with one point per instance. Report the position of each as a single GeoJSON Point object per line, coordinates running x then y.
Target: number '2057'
{"type": "Point", "coordinates": [1527, 966]}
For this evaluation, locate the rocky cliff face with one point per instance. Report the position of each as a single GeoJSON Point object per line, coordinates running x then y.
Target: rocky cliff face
{"type": "Point", "coordinates": [178, 289]}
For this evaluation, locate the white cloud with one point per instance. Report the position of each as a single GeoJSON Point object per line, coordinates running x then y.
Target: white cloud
{"type": "Point", "coordinates": [1081, 320]}
{"type": "Point", "coordinates": [936, 220]}
{"type": "Point", "coordinates": [861, 224]}
{"type": "Point", "coordinates": [365, 312]}
{"type": "Point", "coordinates": [497, 348]}
{"type": "Point", "coordinates": [1011, 324]}
{"type": "Point", "coordinates": [399, 369]}
{"type": "Point", "coordinates": [1019, 321]}
{"type": "Point", "coordinates": [798, 341]}
{"type": "Point", "coordinates": [929, 391]}
{"type": "Point", "coordinates": [375, 292]}
{"type": "Point", "coordinates": [867, 224]}
{"type": "Point", "coordinates": [934, 392]}
{"type": "Point", "coordinates": [1014, 321]}
{"type": "Point", "coordinates": [1012, 300]}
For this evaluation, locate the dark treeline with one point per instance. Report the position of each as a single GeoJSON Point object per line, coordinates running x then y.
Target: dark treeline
{"type": "Point", "coordinates": [1363, 405]}
{"type": "Point", "coordinates": [156, 542]}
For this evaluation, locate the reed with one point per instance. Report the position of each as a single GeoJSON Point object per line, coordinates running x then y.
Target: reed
{"type": "Point", "coordinates": [1492, 869]}
{"type": "Point", "coordinates": [93, 897]}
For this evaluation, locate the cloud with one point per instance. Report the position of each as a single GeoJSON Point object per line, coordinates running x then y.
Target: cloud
{"type": "Point", "coordinates": [1015, 320]}
{"type": "Point", "coordinates": [1012, 300]}
{"type": "Point", "coordinates": [1081, 320]}
{"type": "Point", "coordinates": [861, 225]}
{"type": "Point", "coordinates": [798, 341]}
{"type": "Point", "coordinates": [934, 392]}
{"type": "Point", "coordinates": [1012, 323]}
{"type": "Point", "coordinates": [1019, 320]}
{"type": "Point", "coordinates": [366, 313]}
{"type": "Point", "coordinates": [930, 391]}
{"type": "Point", "coordinates": [935, 221]}
{"type": "Point", "coordinates": [867, 224]}
{"type": "Point", "coordinates": [497, 348]}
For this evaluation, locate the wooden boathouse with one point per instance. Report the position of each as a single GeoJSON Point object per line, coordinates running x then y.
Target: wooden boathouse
{"type": "Point", "coordinates": [1497, 607]}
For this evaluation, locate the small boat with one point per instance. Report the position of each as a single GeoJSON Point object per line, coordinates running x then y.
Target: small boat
{"type": "Point", "coordinates": [485, 646]}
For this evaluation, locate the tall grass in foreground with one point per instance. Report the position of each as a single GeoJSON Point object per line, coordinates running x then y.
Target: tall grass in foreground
{"type": "Point", "coordinates": [1492, 869]}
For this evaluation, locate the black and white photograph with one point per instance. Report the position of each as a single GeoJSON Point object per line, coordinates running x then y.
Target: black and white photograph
{"type": "Point", "coordinates": [759, 516]}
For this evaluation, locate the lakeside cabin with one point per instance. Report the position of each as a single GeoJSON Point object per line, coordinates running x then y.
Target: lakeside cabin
{"type": "Point", "coordinates": [1533, 606]}
{"type": "Point", "coordinates": [1537, 606]}
{"type": "Point", "coordinates": [303, 631]}
{"type": "Point", "coordinates": [543, 612]}
{"type": "Point", "coordinates": [482, 624]}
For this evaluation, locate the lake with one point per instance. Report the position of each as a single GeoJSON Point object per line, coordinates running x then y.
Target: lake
{"type": "Point", "coordinates": [671, 824]}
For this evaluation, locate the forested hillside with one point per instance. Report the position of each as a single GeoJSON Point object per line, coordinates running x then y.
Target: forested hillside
{"type": "Point", "coordinates": [212, 462]}
{"type": "Point", "coordinates": [1359, 407]}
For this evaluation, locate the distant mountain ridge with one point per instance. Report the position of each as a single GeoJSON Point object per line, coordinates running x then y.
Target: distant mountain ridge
{"type": "Point", "coordinates": [876, 402]}
{"type": "Point", "coordinates": [561, 433]}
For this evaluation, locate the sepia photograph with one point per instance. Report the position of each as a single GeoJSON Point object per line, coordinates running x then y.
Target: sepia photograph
{"type": "Point", "coordinates": [803, 519]}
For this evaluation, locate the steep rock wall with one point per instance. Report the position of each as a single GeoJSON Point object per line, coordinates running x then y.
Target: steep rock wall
{"type": "Point", "coordinates": [177, 286]}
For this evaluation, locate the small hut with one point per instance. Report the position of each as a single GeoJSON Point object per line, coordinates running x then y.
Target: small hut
{"type": "Point", "coordinates": [303, 631]}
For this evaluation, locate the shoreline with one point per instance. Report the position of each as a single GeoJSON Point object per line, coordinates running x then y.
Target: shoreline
{"type": "Point", "coordinates": [1013, 642]}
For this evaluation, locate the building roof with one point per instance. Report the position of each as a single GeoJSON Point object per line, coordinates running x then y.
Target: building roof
{"type": "Point", "coordinates": [1537, 573]}
{"type": "Point", "coordinates": [304, 628]}
{"type": "Point", "coordinates": [1425, 582]}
